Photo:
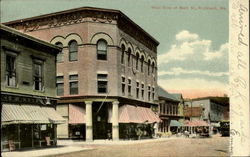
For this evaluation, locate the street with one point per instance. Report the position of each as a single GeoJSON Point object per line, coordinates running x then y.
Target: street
{"type": "Point", "coordinates": [215, 146]}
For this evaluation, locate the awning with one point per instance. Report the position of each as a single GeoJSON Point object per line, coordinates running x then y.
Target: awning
{"type": "Point", "coordinates": [196, 123]}
{"type": "Point", "coordinates": [31, 114]}
{"type": "Point", "coordinates": [133, 114]}
{"type": "Point", "coordinates": [76, 114]}
{"type": "Point", "coordinates": [175, 123]}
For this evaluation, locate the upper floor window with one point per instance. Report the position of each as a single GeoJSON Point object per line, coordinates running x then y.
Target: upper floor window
{"type": "Point", "coordinates": [129, 87]}
{"type": "Point", "coordinates": [73, 48]}
{"type": "Point", "coordinates": [137, 89]}
{"type": "Point", "coordinates": [149, 67]}
{"type": "Point", "coordinates": [10, 70]}
{"type": "Point", "coordinates": [153, 93]}
{"type": "Point", "coordinates": [142, 91]}
{"type": "Point", "coordinates": [153, 67]}
{"type": "Point", "coordinates": [123, 85]}
{"type": "Point", "coordinates": [59, 57]}
{"type": "Point", "coordinates": [137, 61]}
{"type": "Point", "coordinates": [149, 93]}
{"type": "Point", "coordinates": [122, 55]}
{"type": "Point", "coordinates": [59, 85]}
{"type": "Point", "coordinates": [73, 84]}
{"type": "Point", "coordinates": [129, 56]}
{"type": "Point", "coordinates": [38, 74]}
{"type": "Point", "coordinates": [102, 83]}
{"type": "Point", "coordinates": [142, 61]}
{"type": "Point", "coordinates": [102, 50]}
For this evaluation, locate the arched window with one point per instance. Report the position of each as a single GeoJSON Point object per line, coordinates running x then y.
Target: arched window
{"type": "Point", "coordinates": [142, 61]}
{"type": "Point", "coordinates": [137, 61]}
{"type": "Point", "coordinates": [153, 67]}
{"type": "Point", "coordinates": [122, 55]}
{"type": "Point", "coordinates": [102, 50]}
{"type": "Point", "coordinates": [129, 56]}
{"type": "Point", "coordinates": [73, 50]}
{"type": "Point", "coordinates": [149, 67]}
{"type": "Point", "coordinates": [59, 57]}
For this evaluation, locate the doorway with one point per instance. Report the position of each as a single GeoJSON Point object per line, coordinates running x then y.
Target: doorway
{"type": "Point", "coordinates": [100, 117]}
{"type": "Point", "coordinates": [26, 135]}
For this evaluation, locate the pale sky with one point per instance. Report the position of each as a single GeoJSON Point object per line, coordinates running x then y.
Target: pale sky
{"type": "Point", "coordinates": [193, 36]}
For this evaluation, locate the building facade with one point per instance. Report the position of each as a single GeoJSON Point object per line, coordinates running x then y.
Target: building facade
{"type": "Point", "coordinates": [108, 67]}
{"type": "Point", "coordinates": [28, 91]}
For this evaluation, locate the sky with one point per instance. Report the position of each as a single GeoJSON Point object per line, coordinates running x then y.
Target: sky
{"type": "Point", "coordinates": [193, 36]}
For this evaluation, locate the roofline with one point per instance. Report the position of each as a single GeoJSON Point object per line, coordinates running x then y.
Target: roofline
{"type": "Point", "coordinates": [81, 9]}
{"type": "Point", "coordinates": [14, 31]}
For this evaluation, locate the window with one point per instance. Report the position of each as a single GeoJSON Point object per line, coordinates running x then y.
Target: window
{"type": "Point", "coordinates": [59, 57]}
{"type": "Point", "coordinates": [10, 70]}
{"type": "Point", "coordinates": [38, 75]}
{"type": "Point", "coordinates": [102, 83]}
{"type": "Point", "coordinates": [73, 84]}
{"type": "Point", "coordinates": [129, 87]}
{"type": "Point", "coordinates": [129, 56]}
{"type": "Point", "coordinates": [153, 67]}
{"type": "Point", "coordinates": [149, 93]}
{"type": "Point", "coordinates": [142, 61]}
{"type": "Point", "coordinates": [122, 54]}
{"type": "Point", "coordinates": [137, 90]}
{"type": "Point", "coordinates": [73, 50]}
{"type": "Point", "coordinates": [137, 61]}
{"type": "Point", "coordinates": [123, 85]}
{"type": "Point", "coordinates": [153, 93]}
{"type": "Point", "coordinates": [59, 86]}
{"type": "Point", "coordinates": [149, 67]}
{"type": "Point", "coordinates": [142, 91]}
{"type": "Point", "coordinates": [102, 50]}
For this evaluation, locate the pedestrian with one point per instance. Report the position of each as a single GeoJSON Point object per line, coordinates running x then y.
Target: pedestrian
{"type": "Point", "coordinates": [155, 129]}
{"type": "Point", "coordinates": [109, 135]}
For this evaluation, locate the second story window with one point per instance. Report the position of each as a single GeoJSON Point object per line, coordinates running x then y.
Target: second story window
{"type": "Point", "coordinates": [10, 71]}
{"type": "Point", "coordinates": [123, 85]}
{"type": "Point", "coordinates": [153, 68]}
{"type": "Point", "coordinates": [137, 89]}
{"type": "Point", "coordinates": [59, 57]}
{"type": "Point", "coordinates": [153, 93]}
{"type": "Point", "coordinates": [73, 48]}
{"type": "Point", "coordinates": [122, 54]}
{"type": "Point", "coordinates": [102, 50]}
{"type": "Point", "coordinates": [149, 67]}
{"type": "Point", "coordinates": [38, 75]}
{"type": "Point", "coordinates": [137, 61]}
{"type": "Point", "coordinates": [102, 83]}
{"type": "Point", "coordinates": [142, 91]}
{"type": "Point", "coordinates": [73, 84]}
{"type": "Point", "coordinates": [129, 56]}
{"type": "Point", "coordinates": [129, 87]}
{"type": "Point", "coordinates": [149, 93]}
{"type": "Point", "coordinates": [59, 85]}
{"type": "Point", "coordinates": [142, 61]}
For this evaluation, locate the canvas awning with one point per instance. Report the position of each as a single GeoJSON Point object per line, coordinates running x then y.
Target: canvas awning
{"type": "Point", "coordinates": [136, 114]}
{"type": "Point", "coordinates": [175, 123]}
{"type": "Point", "coordinates": [196, 123]}
{"type": "Point", "coordinates": [76, 114]}
{"type": "Point", "coordinates": [31, 114]}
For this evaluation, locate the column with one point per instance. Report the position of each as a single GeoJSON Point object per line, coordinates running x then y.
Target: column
{"type": "Point", "coordinates": [115, 124]}
{"type": "Point", "coordinates": [89, 128]}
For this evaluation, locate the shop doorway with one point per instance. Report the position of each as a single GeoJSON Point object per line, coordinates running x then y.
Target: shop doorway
{"type": "Point", "coordinates": [26, 135]}
{"type": "Point", "coordinates": [100, 117]}
{"type": "Point", "coordinates": [77, 131]}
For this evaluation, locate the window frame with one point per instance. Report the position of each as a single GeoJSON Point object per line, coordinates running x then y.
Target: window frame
{"type": "Point", "coordinates": [60, 53]}
{"type": "Point", "coordinates": [61, 82]}
{"type": "Point", "coordinates": [101, 80]}
{"type": "Point", "coordinates": [100, 56]}
{"type": "Point", "coordinates": [74, 51]}
{"type": "Point", "coordinates": [71, 81]}
{"type": "Point", "coordinates": [40, 63]}
{"type": "Point", "coordinates": [12, 73]}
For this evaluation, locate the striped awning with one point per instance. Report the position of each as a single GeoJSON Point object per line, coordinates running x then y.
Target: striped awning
{"type": "Point", "coordinates": [31, 114]}
{"type": "Point", "coordinates": [136, 114]}
{"type": "Point", "coordinates": [195, 123]}
{"type": "Point", "coordinates": [76, 114]}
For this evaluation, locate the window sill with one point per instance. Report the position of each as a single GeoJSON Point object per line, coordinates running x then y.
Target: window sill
{"type": "Point", "coordinates": [72, 61]}
{"type": "Point", "coordinates": [39, 91]}
{"type": "Point", "coordinates": [13, 87]}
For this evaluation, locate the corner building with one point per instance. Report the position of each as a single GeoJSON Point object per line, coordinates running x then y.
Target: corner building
{"type": "Point", "coordinates": [106, 73]}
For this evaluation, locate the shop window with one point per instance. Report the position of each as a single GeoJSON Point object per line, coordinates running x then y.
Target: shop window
{"type": "Point", "coordinates": [122, 54]}
{"type": "Point", "coordinates": [129, 56]}
{"type": "Point", "coordinates": [102, 50]}
{"type": "Point", "coordinates": [137, 89]}
{"type": "Point", "coordinates": [59, 57]}
{"type": "Point", "coordinates": [123, 85]}
{"type": "Point", "coordinates": [73, 48]}
{"type": "Point", "coordinates": [59, 86]}
{"type": "Point", "coordinates": [73, 84]}
{"type": "Point", "coordinates": [10, 71]}
{"type": "Point", "coordinates": [129, 87]}
{"type": "Point", "coordinates": [102, 83]}
{"type": "Point", "coordinates": [38, 74]}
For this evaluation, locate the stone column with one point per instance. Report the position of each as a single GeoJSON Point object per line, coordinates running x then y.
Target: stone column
{"type": "Point", "coordinates": [115, 124]}
{"type": "Point", "coordinates": [89, 128]}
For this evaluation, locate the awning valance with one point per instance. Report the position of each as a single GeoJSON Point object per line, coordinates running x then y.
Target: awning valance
{"type": "Point", "coordinates": [175, 123]}
{"type": "Point", "coordinates": [136, 114]}
{"type": "Point", "coordinates": [76, 114]}
{"type": "Point", "coordinates": [196, 123]}
{"type": "Point", "coordinates": [29, 114]}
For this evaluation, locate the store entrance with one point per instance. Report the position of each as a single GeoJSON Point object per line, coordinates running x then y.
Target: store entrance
{"type": "Point", "coordinates": [101, 126]}
{"type": "Point", "coordinates": [26, 135]}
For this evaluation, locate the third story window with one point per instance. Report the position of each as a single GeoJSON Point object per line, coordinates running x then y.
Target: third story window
{"type": "Point", "coordinates": [102, 50]}
{"type": "Point", "coordinates": [73, 48]}
{"type": "Point", "coordinates": [59, 86]}
{"type": "Point", "coordinates": [73, 84]}
{"type": "Point", "coordinates": [59, 57]}
{"type": "Point", "coordinates": [10, 71]}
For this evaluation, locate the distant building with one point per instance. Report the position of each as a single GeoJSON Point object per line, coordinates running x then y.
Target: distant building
{"type": "Point", "coordinates": [170, 109]}
{"type": "Point", "coordinates": [106, 70]}
{"type": "Point", "coordinates": [210, 109]}
{"type": "Point", "coordinates": [28, 91]}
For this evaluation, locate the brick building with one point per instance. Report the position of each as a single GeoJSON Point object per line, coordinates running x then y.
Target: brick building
{"type": "Point", "coordinates": [107, 69]}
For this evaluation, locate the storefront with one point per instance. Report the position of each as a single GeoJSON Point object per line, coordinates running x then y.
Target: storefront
{"type": "Point", "coordinates": [28, 126]}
